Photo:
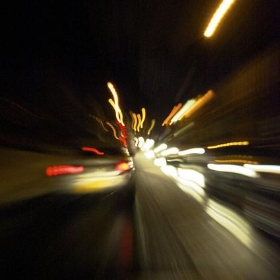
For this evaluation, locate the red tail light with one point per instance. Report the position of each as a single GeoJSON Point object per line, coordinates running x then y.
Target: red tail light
{"type": "Point", "coordinates": [92, 150]}
{"type": "Point", "coordinates": [64, 169]}
{"type": "Point", "coordinates": [123, 166]}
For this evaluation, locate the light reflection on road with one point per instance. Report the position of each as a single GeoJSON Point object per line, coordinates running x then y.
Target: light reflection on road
{"type": "Point", "coordinates": [192, 182]}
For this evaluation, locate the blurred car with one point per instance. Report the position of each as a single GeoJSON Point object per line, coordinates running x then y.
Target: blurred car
{"type": "Point", "coordinates": [104, 170]}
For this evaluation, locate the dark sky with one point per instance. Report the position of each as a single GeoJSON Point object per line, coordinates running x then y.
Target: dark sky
{"type": "Point", "coordinates": [152, 50]}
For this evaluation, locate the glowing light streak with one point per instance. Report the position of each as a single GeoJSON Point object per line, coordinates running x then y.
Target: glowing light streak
{"type": "Point", "coordinates": [192, 151]}
{"type": "Point", "coordinates": [170, 151]}
{"type": "Point", "coordinates": [192, 175]}
{"type": "Point", "coordinates": [199, 103]}
{"type": "Point", "coordinates": [182, 111]}
{"type": "Point", "coordinates": [133, 120]}
{"type": "Point", "coordinates": [233, 169]}
{"type": "Point", "coordinates": [114, 92]}
{"type": "Point", "coordinates": [230, 220]}
{"type": "Point", "coordinates": [115, 103]}
{"type": "Point", "coordinates": [184, 129]}
{"type": "Point", "coordinates": [238, 161]}
{"type": "Point", "coordinates": [114, 130]}
{"type": "Point", "coordinates": [123, 136]}
{"type": "Point", "coordinates": [64, 169]}
{"type": "Point", "coordinates": [264, 168]}
{"type": "Point", "coordinates": [143, 116]}
{"type": "Point", "coordinates": [139, 122]}
{"type": "Point", "coordinates": [153, 122]}
{"type": "Point", "coordinates": [217, 17]}
{"type": "Point", "coordinates": [172, 113]}
{"type": "Point", "coordinates": [92, 150]}
{"type": "Point", "coordinates": [241, 143]}
{"type": "Point", "coordinates": [161, 147]}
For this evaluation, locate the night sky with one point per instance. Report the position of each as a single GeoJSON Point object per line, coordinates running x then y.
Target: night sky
{"type": "Point", "coordinates": [152, 50]}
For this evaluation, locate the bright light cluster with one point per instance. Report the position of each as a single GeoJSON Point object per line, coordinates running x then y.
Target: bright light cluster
{"type": "Point", "coordinates": [243, 167]}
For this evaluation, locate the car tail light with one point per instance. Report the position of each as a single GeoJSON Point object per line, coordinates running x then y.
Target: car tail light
{"type": "Point", "coordinates": [64, 169]}
{"type": "Point", "coordinates": [123, 166]}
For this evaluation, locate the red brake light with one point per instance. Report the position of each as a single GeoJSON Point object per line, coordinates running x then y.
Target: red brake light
{"type": "Point", "coordinates": [64, 169]}
{"type": "Point", "coordinates": [123, 166]}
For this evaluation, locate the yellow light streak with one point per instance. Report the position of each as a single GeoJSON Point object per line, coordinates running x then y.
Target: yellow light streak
{"type": "Point", "coordinates": [115, 103]}
{"type": "Point", "coordinates": [200, 102]}
{"type": "Point", "coordinates": [139, 122]}
{"type": "Point", "coordinates": [237, 161]}
{"type": "Point", "coordinates": [112, 103]}
{"type": "Point", "coordinates": [217, 17]}
{"type": "Point", "coordinates": [135, 121]}
{"type": "Point", "coordinates": [114, 92]}
{"type": "Point", "coordinates": [183, 110]}
{"type": "Point", "coordinates": [114, 130]}
{"type": "Point", "coordinates": [152, 126]}
{"type": "Point", "coordinates": [172, 113]}
{"type": "Point", "coordinates": [241, 143]}
{"type": "Point", "coordinates": [143, 116]}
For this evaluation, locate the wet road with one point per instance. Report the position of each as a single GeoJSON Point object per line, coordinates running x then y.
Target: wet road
{"type": "Point", "coordinates": [168, 234]}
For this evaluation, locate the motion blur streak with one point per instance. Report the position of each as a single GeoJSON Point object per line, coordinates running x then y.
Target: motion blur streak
{"type": "Point", "coordinates": [234, 223]}
{"type": "Point", "coordinates": [237, 161]}
{"type": "Point", "coordinates": [172, 113]}
{"type": "Point", "coordinates": [264, 168]}
{"type": "Point", "coordinates": [115, 103]}
{"type": "Point", "coordinates": [182, 111]}
{"type": "Point", "coordinates": [93, 150]}
{"type": "Point", "coordinates": [64, 169]}
{"type": "Point", "coordinates": [99, 121]}
{"type": "Point", "coordinates": [184, 129]}
{"type": "Point", "coordinates": [143, 110]}
{"type": "Point", "coordinates": [139, 122]}
{"type": "Point", "coordinates": [217, 17]}
{"type": "Point", "coordinates": [233, 169]}
{"type": "Point", "coordinates": [113, 129]}
{"type": "Point", "coordinates": [199, 103]}
{"type": "Point", "coordinates": [201, 229]}
{"type": "Point", "coordinates": [134, 120]}
{"type": "Point", "coordinates": [240, 143]}
{"type": "Point", "coordinates": [192, 175]}
{"type": "Point", "coordinates": [153, 122]}
{"type": "Point", "coordinates": [161, 147]}
{"type": "Point", "coordinates": [192, 151]}
{"type": "Point", "coordinates": [170, 151]}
